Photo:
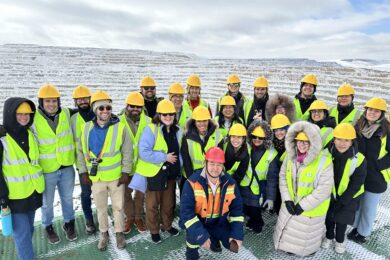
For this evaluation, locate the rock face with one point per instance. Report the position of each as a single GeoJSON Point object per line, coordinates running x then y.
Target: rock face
{"type": "Point", "coordinates": [24, 68]}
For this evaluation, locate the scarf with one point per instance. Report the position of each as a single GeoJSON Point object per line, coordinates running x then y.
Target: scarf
{"type": "Point", "coordinates": [279, 145]}
{"type": "Point", "coordinates": [368, 130]}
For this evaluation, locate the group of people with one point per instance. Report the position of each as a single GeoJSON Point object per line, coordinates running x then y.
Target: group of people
{"type": "Point", "coordinates": [319, 168]}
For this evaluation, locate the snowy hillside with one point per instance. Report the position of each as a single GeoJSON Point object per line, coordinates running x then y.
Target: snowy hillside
{"type": "Point", "coordinates": [24, 68]}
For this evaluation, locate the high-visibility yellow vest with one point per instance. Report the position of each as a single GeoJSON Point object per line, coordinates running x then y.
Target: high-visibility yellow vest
{"type": "Point", "coordinates": [197, 155]}
{"type": "Point", "coordinates": [261, 171]}
{"type": "Point", "coordinates": [225, 131]}
{"type": "Point", "coordinates": [326, 135]}
{"type": "Point", "coordinates": [307, 181]}
{"type": "Point", "coordinates": [235, 165]}
{"type": "Point", "coordinates": [185, 115]}
{"type": "Point", "coordinates": [349, 169]}
{"type": "Point", "coordinates": [382, 153]}
{"type": "Point", "coordinates": [298, 111]}
{"type": "Point", "coordinates": [352, 117]}
{"type": "Point", "coordinates": [281, 159]}
{"type": "Point", "coordinates": [22, 176]}
{"type": "Point", "coordinates": [56, 149]}
{"type": "Point", "coordinates": [148, 169]}
{"type": "Point", "coordinates": [110, 168]}
{"type": "Point", "coordinates": [202, 102]}
{"type": "Point", "coordinates": [143, 122]}
{"type": "Point", "coordinates": [76, 121]}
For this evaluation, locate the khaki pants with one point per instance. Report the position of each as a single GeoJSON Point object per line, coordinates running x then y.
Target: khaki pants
{"type": "Point", "coordinates": [101, 190]}
{"type": "Point", "coordinates": [134, 207]}
{"type": "Point", "coordinates": [162, 202]}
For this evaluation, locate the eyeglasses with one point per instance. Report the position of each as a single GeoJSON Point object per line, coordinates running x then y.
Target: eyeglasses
{"type": "Point", "coordinates": [257, 138]}
{"type": "Point", "coordinates": [168, 114]}
{"type": "Point", "coordinates": [149, 88]}
{"type": "Point", "coordinates": [132, 106]}
{"type": "Point", "coordinates": [108, 108]}
{"type": "Point", "coordinates": [319, 111]}
{"type": "Point", "coordinates": [234, 85]}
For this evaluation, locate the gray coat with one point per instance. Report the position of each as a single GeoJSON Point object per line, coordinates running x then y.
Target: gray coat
{"type": "Point", "coordinates": [302, 235]}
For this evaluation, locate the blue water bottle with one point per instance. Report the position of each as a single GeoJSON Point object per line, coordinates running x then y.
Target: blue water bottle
{"type": "Point", "coordinates": [6, 221]}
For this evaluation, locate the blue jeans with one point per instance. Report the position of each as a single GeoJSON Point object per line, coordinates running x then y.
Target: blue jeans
{"type": "Point", "coordinates": [366, 214]}
{"type": "Point", "coordinates": [86, 192]}
{"type": "Point", "coordinates": [23, 229]}
{"type": "Point", "coordinates": [63, 179]}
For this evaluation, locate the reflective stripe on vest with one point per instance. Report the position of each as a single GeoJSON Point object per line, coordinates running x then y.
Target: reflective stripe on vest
{"type": "Point", "coordinates": [382, 153]}
{"type": "Point", "coordinates": [195, 149]}
{"type": "Point", "coordinates": [307, 181]}
{"type": "Point", "coordinates": [22, 176]}
{"type": "Point", "coordinates": [185, 115]}
{"type": "Point", "coordinates": [298, 111]}
{"type": "Point", "coordinates": [351, 118]}
{"type": "Point", "coordinates": [261, 171]}
{"type": "Point", "coordinates": [148, 169]}
{"type": "Point", "coordinates": [349, 169]}
{"type": "Point", "coordinates": [110, 168]}
{"type": "Point", "coordinates": [143, 122]}
{"type": "Point", "coordinates": [247, 109]}
{"type": "Point", "coordinates": [56, 149]}
{"type": "Point", "coordinates": [326, 135]}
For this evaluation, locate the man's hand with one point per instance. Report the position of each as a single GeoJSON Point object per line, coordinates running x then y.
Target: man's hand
{"type": "Point", "coordinates": [85, 179]}
{"type": "Point", "coordinates": [124, 179]}
{"type": "Point", "coordinates": [206, 245]}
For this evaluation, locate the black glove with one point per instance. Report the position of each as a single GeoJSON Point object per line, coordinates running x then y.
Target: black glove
{"type": "Point", "coordinates": [298, 209]}
{"type": "Point", "coordinates": [4, 202]}
{"type": "Point", "coordinates": [290, 207]}
{"type": "Point", "coordinates": [84, 179]}
{"type": "Point", "coordinates": [124, 179]}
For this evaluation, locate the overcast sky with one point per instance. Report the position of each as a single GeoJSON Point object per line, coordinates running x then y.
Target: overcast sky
{"type": "Point", "coordinates": [316, 29]}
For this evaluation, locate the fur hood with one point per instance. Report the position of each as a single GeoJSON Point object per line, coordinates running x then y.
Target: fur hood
{"type": "Point", "coordinates": [267, 129]}
{"type": "Point", "coordinates": [280, 99]}
{"type": "Point", "coordinates": [313, 133]}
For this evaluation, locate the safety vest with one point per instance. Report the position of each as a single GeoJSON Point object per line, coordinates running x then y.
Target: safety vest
{"type": "Point", "coordinates": [197, 155]}
{"type": "Point", "coordinates": [247, 110]}
{"type": "Point", "coordinates": [148, 169]}
{"type": "Point", "coordinates": [298, 111]}
{"type": "Point", "coordinates": [349, 169]}
{"type": "Point", "coordinates": [281, 159]}
{"type": "Point", "coordinates": [225, 131]}
{"type": "Point", "coordinates": [261, 171]}
{"type": "Point", "coordinates": [202, 102]}
{"type": "Point", "coordinates": [185, 115]}
{"type": "Point", "coordinates": [382, 153]}
{"type": "Point", "coordinates": [76, 121]}
{"type": "Point", "coordinates": [326, 135]}
{"type": "Point", "coordinates": [352, 117]}
{"type": "Point", "coordinates": [307, 181]}
{"type": "Point", "coordinates": [57, 148]}
{"type": "Point", "coordinates": [22, 176]}
{"type": "Point", "coordinates": [143, 122]}
{"type": "Point", "coordinates": [235, 165]}
{"type": "Point", "coordinates": [110, 168]}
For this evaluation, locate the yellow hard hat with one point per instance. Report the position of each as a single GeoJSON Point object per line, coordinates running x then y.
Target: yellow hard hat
{"type": "Point", "coordinates": [228, 101]}
{"type": "Point", "coordinates": [165, 106]}
{"type": "Point", "coordinates": [48, 91]}
{"type": "Point", "coordinates": [311, 79]}
{"type": "Point", "coordinates": [100, 95]}
{"type": "Point", "coordinates": [233, 79]}
{"type": "Point", "coordinates": [81, 91]}
{"type": "Point", "coordinates": [345, 89]}
{"type": "Point", "coordinates": [279, 121]}
{"type": "Point", "coordinates": [24, 108]}
{"type": "Point", "coordinates": [344, 131]}
{"type": "Point", "coordinates": [258, 131]}
{"type": "Point", "coordinates": [148, 82]}
{"type": "Point", "coordinates": [237, 130]}
{"type": "Point", "coordinates": [194, 80]}
{"type": "Point", "coordinates": [301, 136]}
{"type": "Point", "coordinates": [176, 89]}
{"type": "Point", "coordinates": [377, 103]}
{"type": "Point", "coordinates": [136, 99]}
{"type": "Point", "coordinates": [260, 82]}
{"type": "Point", "coordinates": [201, 113]}
{"type": "Point", "coordinates": [317, 105]}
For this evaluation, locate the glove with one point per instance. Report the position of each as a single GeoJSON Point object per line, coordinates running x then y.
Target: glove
{"type": "Point", "coordinates": [4, 202]}
{"type": "Point", "coordinates": [85, 179]}
{"type": "Point", "coordinates": [298, 209]}
{"type": "Point", "coordinates": [290, 207]}
{"type": "Point", "coordinates": [124, 179]}
{"type": "Point", "coordinates": [269, 205]}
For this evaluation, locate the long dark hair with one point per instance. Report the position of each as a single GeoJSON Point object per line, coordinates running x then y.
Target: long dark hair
{"type": "Point", "coordinates": [221, 118]}
{"type": "Point", "coordinates": [385, 125]}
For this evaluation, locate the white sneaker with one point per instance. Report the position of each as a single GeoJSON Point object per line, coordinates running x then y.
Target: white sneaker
{"type": "Point", "coordinates": [340, 248]}
{"type": "Point", "coordinates": [326, 243]}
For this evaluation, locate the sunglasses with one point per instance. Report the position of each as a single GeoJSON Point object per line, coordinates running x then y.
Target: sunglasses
{"type": "Point", "coordinates": [234, 85]}
{"type": "Point", "coordinates": [149, 88]}
{"type": "Point", "coordinates": [132, 106]}
{"type": "Point", "coordinates": [107, 108]}
{"type": "Point", "coordinates": [257, 138]}
{"type": "Point", "coordinates": [168, 114]}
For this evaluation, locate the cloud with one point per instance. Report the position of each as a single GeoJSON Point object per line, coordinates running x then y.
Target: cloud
{"type": "Point", "coordinates": [243, 29]}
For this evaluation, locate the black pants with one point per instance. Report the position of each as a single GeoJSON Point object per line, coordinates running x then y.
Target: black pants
{"type": "Point", "coordinates": [340, 230]}
{"type": "Point", "coordinates": [255, 219]}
